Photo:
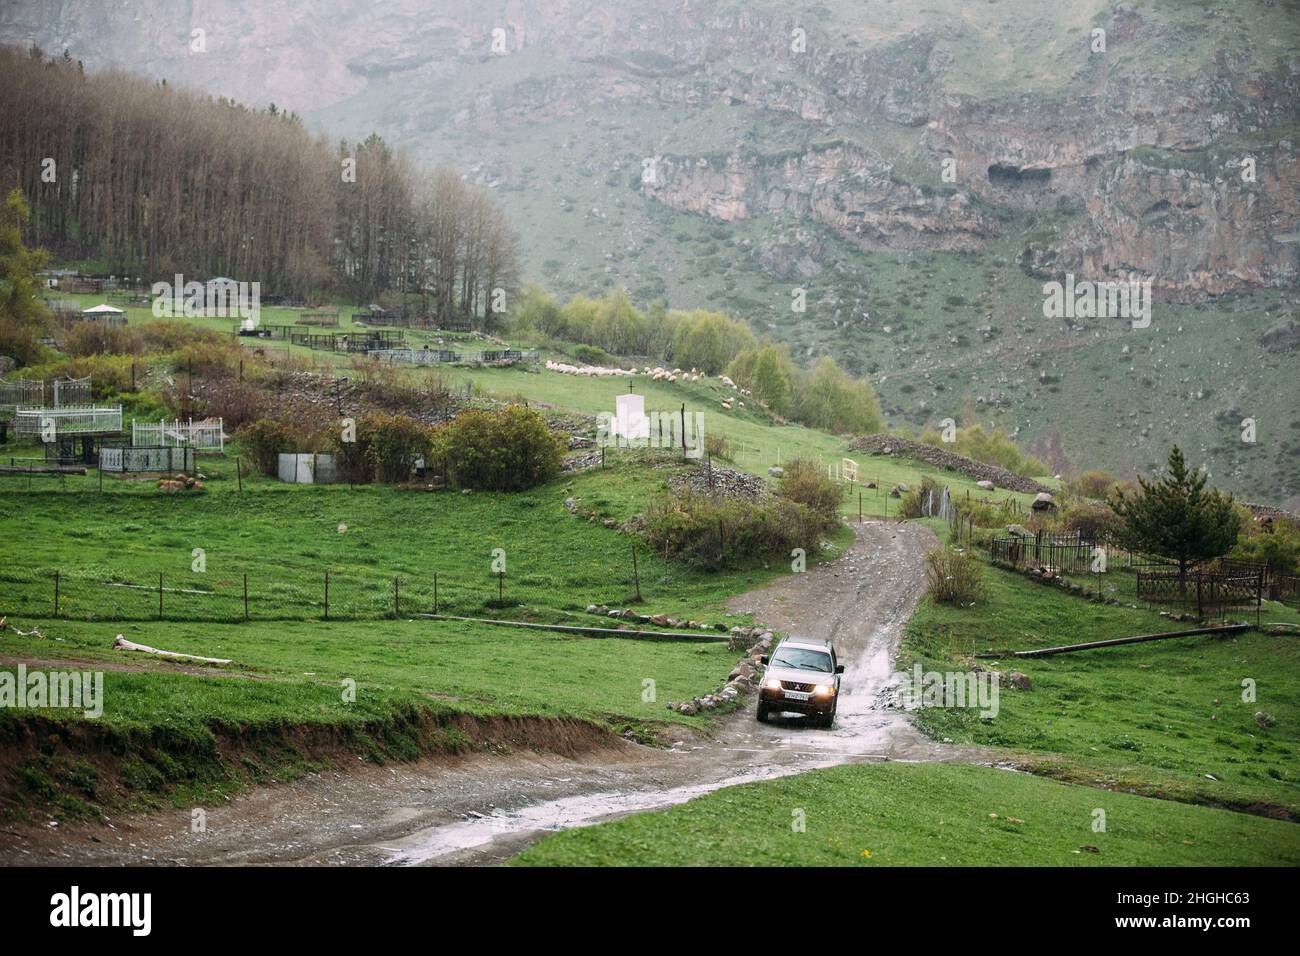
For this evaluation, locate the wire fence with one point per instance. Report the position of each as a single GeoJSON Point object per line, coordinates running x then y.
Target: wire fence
{"type": "Point", "coordinates": [534, 594]}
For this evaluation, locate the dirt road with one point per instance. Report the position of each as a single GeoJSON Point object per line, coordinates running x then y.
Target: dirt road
{"type": "Point", "coordinates": [483, 809]}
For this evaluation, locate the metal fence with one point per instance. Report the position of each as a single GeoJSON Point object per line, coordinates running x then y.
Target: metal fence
{"type": "Point", "coordinates": [143, 459]}
{"type": "Point", "coordinates": [84, 420]}
{"type": "Point", "coordinates": [1204, 589]}
{"type": "Point", "coordinates": [1063, 553]}
{"type": "Point", "coordinates": [207, 435]}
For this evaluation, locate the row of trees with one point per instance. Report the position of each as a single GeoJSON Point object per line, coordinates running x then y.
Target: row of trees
{"type": "Point", "coordinates": [824, 397]}
{"type": "Point", "coordinates": [698, 339]}
{"type": "Point", "coordinates": [153, 181]}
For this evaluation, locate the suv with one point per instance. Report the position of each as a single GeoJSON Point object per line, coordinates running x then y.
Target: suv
{"type": "Point", "coordinates": [803, 675]}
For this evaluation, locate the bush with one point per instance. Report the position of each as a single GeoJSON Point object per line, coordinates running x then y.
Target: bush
{"type": "Point", "coordinates": [264, 440]}
{"type": "Point", "coordinates": [19, 341]}
{"type": "Point", "coordinates": [953, 576]}
{"type": "Point", "coordinates": [507, 449]}
{"type": "Point", "coordinates": [912, 504]}
{"type": "Point", "coordinates": [806, 484]}
{"type": "Point", "coordinates": [1093, 520]}
{"type": "Point", "coordinates": [710, 534]}
{"type": "Point", "coordinates": [717, 446]}
{"type": "Point", "coordinates": [394, 443]}
{"type": "Point", "coordinates": [97, 338]}
{"type": "Point", "coordinates": [1096, 484]}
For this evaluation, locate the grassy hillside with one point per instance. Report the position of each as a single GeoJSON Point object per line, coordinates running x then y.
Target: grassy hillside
{"type": "Point", "coordinates": [1161, 719]}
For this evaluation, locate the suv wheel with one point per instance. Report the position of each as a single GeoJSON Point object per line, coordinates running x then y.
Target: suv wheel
{"type": "Point", "coordinates": [762, 713]}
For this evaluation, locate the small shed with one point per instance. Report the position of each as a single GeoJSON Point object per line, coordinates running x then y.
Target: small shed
{"type": "Point", "coordinates": [107, 314]}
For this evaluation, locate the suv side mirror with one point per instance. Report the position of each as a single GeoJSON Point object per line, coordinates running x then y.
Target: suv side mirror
{"type": "Point", "coordinates": [839, 668]}
{"type": "Point", "coordinates": [763, 659]}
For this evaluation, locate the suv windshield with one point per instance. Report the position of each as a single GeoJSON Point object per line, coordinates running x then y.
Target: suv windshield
{"type": "Point", "coordinates": [802, 659]}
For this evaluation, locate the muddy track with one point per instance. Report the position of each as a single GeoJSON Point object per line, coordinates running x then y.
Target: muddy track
{"type": "Point", "coordinates": [484, 809]}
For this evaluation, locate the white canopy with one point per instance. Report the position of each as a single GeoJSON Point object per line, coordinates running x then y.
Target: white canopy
{"type": "Point", "coordinates": [101, 310]}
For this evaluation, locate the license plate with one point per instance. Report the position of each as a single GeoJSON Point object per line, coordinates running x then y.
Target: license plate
{"type": "Point", "coordinates": [796, 695]}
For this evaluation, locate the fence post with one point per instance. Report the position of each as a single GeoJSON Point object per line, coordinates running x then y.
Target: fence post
{"type": "Point", "coordinates": [160, 596]}
{"type": "Point", "coordinates": [636, 575]}
{"type": "Point", "coordinates": [245, 597]}
{"type": "Point", "coordinates": [859, 507]}
{"type": "Point", "coordinates": [327, 595]}
{"type": "Point", "coordinates": [1259, 596]}
{"type": "Point", "coordinates": [397, 599]}
{"type": "Point", "coordinates": [239, 473]}
{"type": "Point", "coordinates": [56, 593]}
{"type": "Point", "coordinates": [435, 592]}
{"type": "Point", "coordinates": [501, 587]}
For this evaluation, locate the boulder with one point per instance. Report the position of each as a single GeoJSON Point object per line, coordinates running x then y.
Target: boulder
{"type": "Point", "coordinates": [986, 485]}
{"type": "Point", "coordinates": [1043, 502]}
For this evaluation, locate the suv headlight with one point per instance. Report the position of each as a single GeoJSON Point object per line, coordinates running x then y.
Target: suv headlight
{"type": "Point", "coordinates": [821, 690]}
{"type": "Point", "coordinates": [771, 683]}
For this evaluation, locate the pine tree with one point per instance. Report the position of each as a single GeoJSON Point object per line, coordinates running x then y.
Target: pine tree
{"type": "Point", "coordinates": [1177, 518]}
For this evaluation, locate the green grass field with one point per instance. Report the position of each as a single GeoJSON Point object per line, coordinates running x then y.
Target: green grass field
{"type": "Point", "coordinates": [1162, 719]}
{"type": "Point", "coordinates": [922, 815]}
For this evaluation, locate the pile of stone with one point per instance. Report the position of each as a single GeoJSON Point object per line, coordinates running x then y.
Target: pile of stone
{"type": "Point", "coordinates": [658, 620]}
{"type": "Point", "coordinates": [1050, 576]}
{"type": "Point", "coordinates": [1000, 477]}
{"type": "Point", "coordinates": [590, 459]}
{"type": "Point", "coordinates": [725, 483]}
{"type": "Point", "coordinates": [743, 679]}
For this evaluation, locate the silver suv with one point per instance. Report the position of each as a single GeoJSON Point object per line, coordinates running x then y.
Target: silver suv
{"type": "Point", "coordinates": [803, 676]}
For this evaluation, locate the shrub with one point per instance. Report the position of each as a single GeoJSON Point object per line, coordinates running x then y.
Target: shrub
{"type": "Point", "coordinates": [953, 576]}
{"type": "Point", "coordinates": [1093, 520]}
{"type": "Point", "coordinates": [912, 504]}
{"type": "Point", "coordinates": [1278, 546]}
{"type": "Point", "coordinates": [237, 404]}
{"type": "Point", "coordinates": [507, 449]}
{"type": "Point", "coordinates": [97, 338]}
{"type": "Point", "coordinates": [1093, 484]}
{"type": "Point", "coordinates": [264, 440]}
{"type": "Point", "coordinates": [710, 534]}
{"type": "Point", "coordinates": [806, 484]}
{"type": "Point", "coordinates": [394, 443]}
{"type": "Point", "coordinates": [717, 446]}
{"type": "Point", "coordinates": [591, 355]}
{"type": "Point", "coordinates": [19, 341]}
{"type": "Point", "coordinates": [210, 358]}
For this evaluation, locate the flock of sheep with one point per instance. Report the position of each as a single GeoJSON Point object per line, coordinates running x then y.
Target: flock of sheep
{"type": "Point", "coordinates": [658, 374]}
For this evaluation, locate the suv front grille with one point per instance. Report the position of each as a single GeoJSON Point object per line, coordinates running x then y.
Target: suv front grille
{"type": "Point", "coordinates": [795, 686]}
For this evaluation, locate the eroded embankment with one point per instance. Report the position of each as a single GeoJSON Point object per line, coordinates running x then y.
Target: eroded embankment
{"type": "Point", "coordinates": [86, 769]}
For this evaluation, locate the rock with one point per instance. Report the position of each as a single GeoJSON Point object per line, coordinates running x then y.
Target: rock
{"type": "Point", "coordinates": [1019, 530]}
{"type": "Point", "coordinates": [986, 484]}
{"type": "Point", "coordinates": [659, 619]}
{"type": "Point", "coordinates": [592, 609]}
{"type": "Point", "coordinates": [1019, 681]}
{"type": "Point", "coordinates": [1043, 502]}
{"type": "Point", "coordinates": [776, 471]}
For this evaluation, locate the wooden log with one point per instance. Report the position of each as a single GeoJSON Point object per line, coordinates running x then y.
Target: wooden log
{"type": "Point", "coordinates": [1139, 639]}
{"type": "Point", "coordinates": [122, 644]}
